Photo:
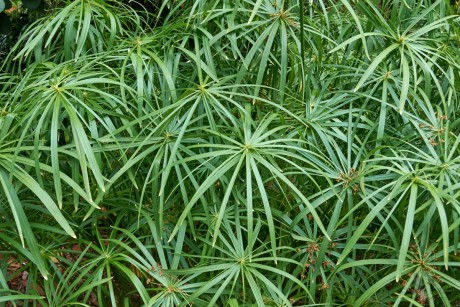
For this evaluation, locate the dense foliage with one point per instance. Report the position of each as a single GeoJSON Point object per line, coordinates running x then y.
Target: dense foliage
{"type": "Point", "coordinates": [232, 152]}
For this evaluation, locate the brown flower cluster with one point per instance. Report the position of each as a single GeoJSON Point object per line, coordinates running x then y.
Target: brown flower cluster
{"type": "Point", "coordinates": [348, 178]}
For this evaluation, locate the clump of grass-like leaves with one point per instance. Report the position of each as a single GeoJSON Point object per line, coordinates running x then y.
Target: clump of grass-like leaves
{"type": "Point", "coordinates": [239, 153]}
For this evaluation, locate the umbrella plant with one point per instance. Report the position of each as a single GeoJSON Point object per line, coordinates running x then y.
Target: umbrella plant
{"type": "Point", "coordinates": [231, 153]}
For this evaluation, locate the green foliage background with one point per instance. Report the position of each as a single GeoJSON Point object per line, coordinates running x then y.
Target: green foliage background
{"type": "Point", "coordinates": [232, 153]}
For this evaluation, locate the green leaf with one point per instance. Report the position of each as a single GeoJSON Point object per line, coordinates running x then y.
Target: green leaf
{"type": "Point", "coordinates": [375, 63]}
{"type": "Point", "coordinates": [255, 9]}
{"type": "Point", "coordinates": [378, 285]}
{"type": "Point", "coordinates": [405, 84]}
{"type": "Point", "coordinates": [408, 226]}
{"type": "Point", "coordinates": [24, 229]}
{"type": "Point", "coordinates": [19, 297]}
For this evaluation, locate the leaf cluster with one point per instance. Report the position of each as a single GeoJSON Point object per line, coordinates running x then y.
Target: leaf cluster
{"type": "Point", "coordinates": [232, 153]}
